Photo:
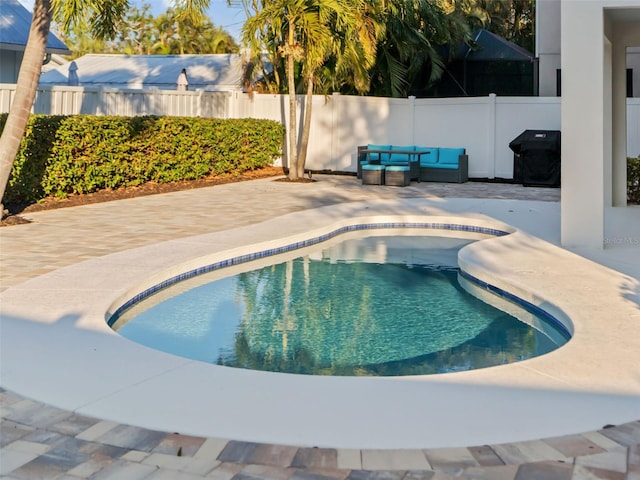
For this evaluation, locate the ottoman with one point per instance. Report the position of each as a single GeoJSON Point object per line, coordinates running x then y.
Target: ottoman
{"type": "Point", "coordinates": [371, 161]}
{"type": "Point", "coordinates": [397, 175]}
{"type": "Point", "coordinates": [373, 174]}
{"type": "Point", "coordinates": [361, 163]}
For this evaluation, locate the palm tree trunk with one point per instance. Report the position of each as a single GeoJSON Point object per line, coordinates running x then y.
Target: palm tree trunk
{"type": "Point", "coordinates": [293, 130]}
{"type": "Point", "coordinates": [306, 127]}
{"type": "Point", "coordinates": [26, 89]}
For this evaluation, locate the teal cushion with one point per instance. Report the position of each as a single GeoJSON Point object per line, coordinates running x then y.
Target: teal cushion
{"type": "Point", "coordinates": [379, 156]}
{"type": "Point", "coordinates": [431, 157]}
{"type": "Point", "coordinates": [373, 167]}
{"type": "Point", "coordinates": [378, 147]}
{"type": "Point", "coordinates": [444, 166]}
{"type": "Point", "coordinates": [400, 158]}
{"type": "Point", "coordinates": [449, 156]}
{"type": "Point", "coordinates": [397, 168]}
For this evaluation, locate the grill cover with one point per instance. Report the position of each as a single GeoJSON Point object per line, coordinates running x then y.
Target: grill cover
{"type": "Point", "coordinates": [536, 160]}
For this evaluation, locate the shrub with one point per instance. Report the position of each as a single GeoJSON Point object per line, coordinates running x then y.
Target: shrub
{"type": "Point", "coordinates": [60, 155]}
{"type": "Point", "coordinates": [25, 182]}
{"type": "Point", "coordinates": [633, 180]}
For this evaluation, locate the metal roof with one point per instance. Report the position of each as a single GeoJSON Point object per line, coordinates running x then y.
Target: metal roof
{"type": "Point", "coordinates": [221, 72]}
{"type": "Point", "coordinates": [15, 22]}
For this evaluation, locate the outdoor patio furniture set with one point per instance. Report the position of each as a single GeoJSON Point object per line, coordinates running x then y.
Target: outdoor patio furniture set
{"type": "Point", "coordinates": [399, 165]}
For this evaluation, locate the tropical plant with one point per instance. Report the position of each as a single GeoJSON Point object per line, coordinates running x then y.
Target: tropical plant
{"type": "Point", "coordinates": [402, 37]}
{"type": "Point", "coordinates": [140, 33]}
{"type": "Point", "coordinates": [513, 20]}
{"type": "Point", "coordinates": [103, 17]}
{"type": "Point", "coordinates": [348, 68]}
{"type": "Point", "coordinates": [303, 35]}
{"type": "Point", "coordinates": [135, 34]}
{"type": "Point", "coordinates": [177, 33]}
{"type": "Point", "coordinates": [410, 52]}
{"type": "Point", "coordinates": [633, 180]}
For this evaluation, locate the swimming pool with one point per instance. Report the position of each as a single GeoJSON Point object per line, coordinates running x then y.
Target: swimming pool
{"type": "Point", "coordinates": [375, 305]}
{"type": "Point", "coordinates": [66, 354]}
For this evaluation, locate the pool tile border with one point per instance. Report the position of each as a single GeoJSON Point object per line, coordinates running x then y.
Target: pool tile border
{"type": "Point", "coordinates": [528, 306]}
{"type": "Point", "coordinates": [240, 259]}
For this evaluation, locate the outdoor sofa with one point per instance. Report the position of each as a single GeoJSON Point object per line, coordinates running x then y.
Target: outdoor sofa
{"type": "Point", "coordinates": [427, 164]}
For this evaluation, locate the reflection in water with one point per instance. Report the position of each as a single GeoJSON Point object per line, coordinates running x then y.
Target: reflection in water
{"type": "Point", "coordinates": [326, 316]}
{"type": "Point", "coordinates": [401, 320]}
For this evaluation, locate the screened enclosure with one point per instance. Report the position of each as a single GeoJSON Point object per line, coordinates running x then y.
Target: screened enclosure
{"type": "Point", "coordinates": [490, 64]}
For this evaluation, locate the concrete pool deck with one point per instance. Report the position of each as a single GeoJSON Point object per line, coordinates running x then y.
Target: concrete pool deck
{"type": "Point", "coordinates": [66, 306]}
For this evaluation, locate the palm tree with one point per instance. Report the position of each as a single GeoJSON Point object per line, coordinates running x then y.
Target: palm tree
{"type": "Point", "coordinates": [103, 16]}
{"type": "Point", "coordinates": [354, 55]}
{"type": "Point", "coordinates": [25, 92]}
{"type": "Point", "coordinates": [305, 34]}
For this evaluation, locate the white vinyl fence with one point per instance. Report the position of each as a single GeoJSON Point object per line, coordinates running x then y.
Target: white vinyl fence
{"type": "Point", "coordinates": [64, 100]}
{"type": "Point", "coordinates": [482, 125]}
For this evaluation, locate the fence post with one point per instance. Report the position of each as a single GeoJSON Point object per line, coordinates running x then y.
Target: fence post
{"type": "Point", "coordinates": [100, 101]}
{"type": "Point", "coordinates": [6, 96]}
{"type": "Point", "coordinates": [231, 105]}
{"type": "Point", "coordinates": [199, 103]}
{"type": "Point", "coordinates": [492, 135]}
{"type": "Point", "coordinates": [412, 105]}
{"type": "Point", "coordinates": [335, 120]}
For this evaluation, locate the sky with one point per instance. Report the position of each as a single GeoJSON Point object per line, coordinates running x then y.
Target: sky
{"type": "Point", "coordinates": [229, 18]}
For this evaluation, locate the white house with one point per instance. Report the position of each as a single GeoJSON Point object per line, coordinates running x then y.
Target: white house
{"type": "Point", "coordinates": [219, 72]}
{"type": "Point", "coordinates": [548, 46]}
{"type": "Point", "coordinates": [15, 22]}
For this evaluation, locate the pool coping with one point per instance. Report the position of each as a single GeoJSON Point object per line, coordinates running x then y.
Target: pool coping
{"type": "Point", "coordinates": [132, 388]}
{"type": "Point", "coordinates": [255, 252]}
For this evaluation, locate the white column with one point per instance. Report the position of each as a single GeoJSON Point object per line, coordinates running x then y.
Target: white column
{"type": "Point", "coordinates": [583, 124]}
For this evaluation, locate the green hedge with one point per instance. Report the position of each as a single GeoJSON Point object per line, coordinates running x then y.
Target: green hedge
{"type": "Point", "coordinates": [62, 155]}
{"type": "Point", "coordinates": [633, 180]}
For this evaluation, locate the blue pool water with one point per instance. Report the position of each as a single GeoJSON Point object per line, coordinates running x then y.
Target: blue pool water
{"type": "Point", "coordinates": [384, 305]}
